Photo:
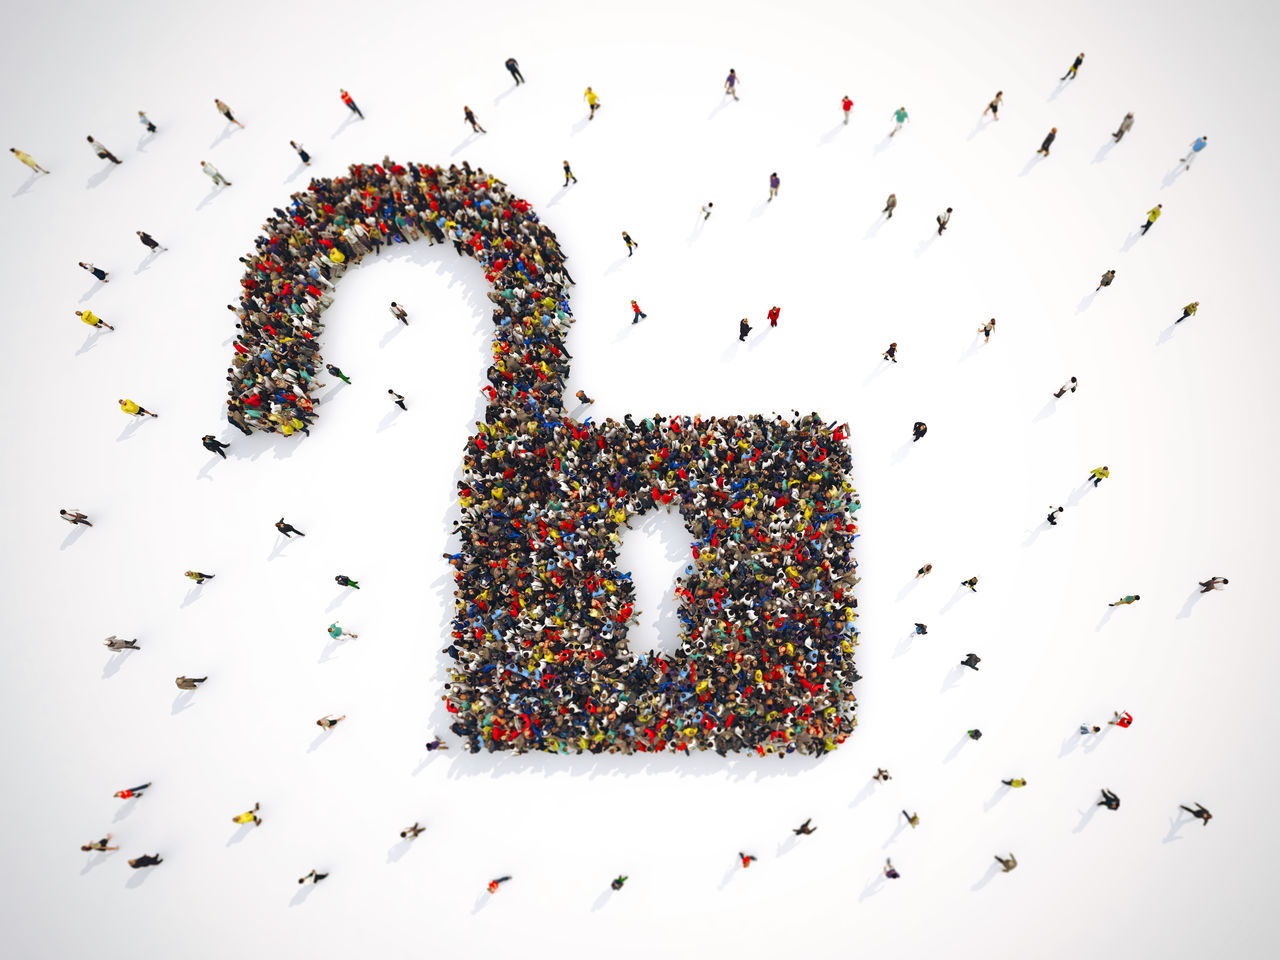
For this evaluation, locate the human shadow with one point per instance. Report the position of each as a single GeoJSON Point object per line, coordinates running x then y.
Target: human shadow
{"type": "Point", "coordinates": [95, 858]}
{"type": "Point", "coordinates": [951, 679]}
{"type": "Point", "coordinates": [1047, 411]}
{"type": "Point", "coordinates": [304, 891]}
{"type": "Point", "coordinates": [725, 100]}
{"type": "Point", "coordinates": [94, 288]}
{"type": "Point", "coordinates": [1172, 175]}
{"type": "Point", "coordinates": [1079, 493]}
{"type": "Point", "coordinates": [398, 850]}
{"type": "Point", "coordinates": [27, 184]}
{"type": "Point", "coordinates": [505, 93]}
{"type": "Point", "coordinates": [1166, 335]}
{"type": "Point", "coordinates": [391, 334]}
{"type": "Point", "coordinates": [955, 751]}
{"type": "Point", "coordinates": [100, 177]}
{"type": "Point", "coordinates": [203, 472]}
{"type": "Point", "coordinates": [955, 598]}
{"type": "Point", "coordinates": [874, 229]}
{"type": "Point", "coordinates": [1002, 791]}
{"type": "Point", "coordinates": [897, 832]}
{"type": "Point", "coordinates": [240, 833]}
{"type": "Point", "coordinates": [1095, 740]}
{"type": "Point", "coordinates": [114, 663]}
{"type": "Point", "coordinates": [130, 429]}
{"type": "Point", "coordinates": [278, 548]}
{"type": "Point", "coordinates": [183, 701]}
{"type": "Point", "coordinates": [902, 452]}
{"type": "Point", "coordinates": [339, 600]}
{"type": "Point", "coordinates": [1069, 745]}
{"type": "Point", "coordinates": [346, 122]}
{"type": "Point", "coordinates": [143, 141]}
{"type": "Point", "coordinates": [874, 886]}
{"type": "Point", "coordinates": [978, 127]}
{"type": "Point", "coordinates": [605, 896]}
{"type": "Point", "coordinates": [194, 594]}
{"type": "Point", "coordinates": [1106, 618]}
{"type": "Point", "coordinates": [760, 208]}
{"type": "Point", "coordinates": [616, 265]}
{"type": "Point", "coordinates": [126, 808]}
{"type": "Point", "coordinates": [1187, 607]}
{"type": "Point", "coordinates": [296, 171]}
{"type": "Point", "coordinates": [227, 132]}
{"type": "Point", "coordinates": [1086, 303]}
{"type": "Point", "coordinates": [1130, 241]}
{"type": "Point", "coordinates": [925, 245]}
{"type": "Point", "coordinates": [332, 392]}
{"type": "Point", "coordinates": [1057, 91]}
{"type": "Point", "coordinates": [1085, 817]}
{"type": "Point", "coordinates": [1031, 165]}
{"type": "Point", "coordinates": [327, 653]}
{"type": "Point", "coordinates": [559, 195]}
{"type": "Point", "coordinates": [911, 585]}
{"type": "Point", "coordinates": [992, 870]}
{"type": "Point", "coordinates": [466, 142]}
{"type": "Point", "coordinates": [145, 263]}
{"type": "Point", "coordinates": [139, 878]}
{"type": "Point", "coordinates": [1175, 826]}
{"type": "Point", "coordinates": [390, 418]}
{"type": "Point", "coordinates": [1104, 150]}
{"type": "Point", "coordinates": [214, 191]}
{"type": "Point", "coordinates": [76, 533]}
{"type": "Point", "coordinates": [787, 845]}
{"type": "Point", "coordinates": [1035, 534]}
{"type": "Point", "coordinates": [863, 794]}
{"type": "Point", "coordinates": [578, 127]}
{"type": "Point", "coordinates": [883, 145]}
{"type": "Point", "coordinates": [831, 134]}
{"type": "Point", "coordinates": [903, 645]}
{"type": "Point", "coordinates": [321, 739]}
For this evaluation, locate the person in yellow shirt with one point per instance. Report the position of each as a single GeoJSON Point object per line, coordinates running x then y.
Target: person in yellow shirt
{"type": "Point", "coordinates": [1188, 311]}
{"type": "Point", "coordinates": [26, 158]}
{"type": "Point", "coordinates": [249, 816]}
{"type": "Point", "coordinates": [93, 320]}
{"type": "Point", "coordinates": [1152, 216]}
{"type": "Point", "coordinates": [135, 410]}
{"type": "Point", "coordinates": [593, 102]}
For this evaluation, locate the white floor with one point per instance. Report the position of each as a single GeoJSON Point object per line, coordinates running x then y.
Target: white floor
{"type": "Point", "coordinates": [1184, 418]}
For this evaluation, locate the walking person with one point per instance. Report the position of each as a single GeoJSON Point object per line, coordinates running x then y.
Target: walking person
{"type": "Point", "coordinates": [226, 112]}
{"type": "Point", "coordinates": [746, 859]}
{"type": "Point", "coordinates": [1188, 311]}
{"type": "Point", "coordinates": [351, 104]}
{"type": "Point", "coordinates": [986, 329]}
{"type": "Point", "coordinates": [98, 272]}
{"type": "Point", "coordinates": [101, 152]}
{"type": "Point", "coordinates": [1048, 141]}
{"type": "Point", "coordinates": [593, 102]}
{"type": "Point", "coordinates": [288, 529]}
{"type": "Point", "coordinates": [1213, 583]}
{"type": "Point", "coordinates": [249, 816]}
{"type": "Point", "coordinates": [210, 171]}
{"type": "Point", "coordinates": [344, 581]}
{"type": "Point", "coordinates": [400, 313]}
{"type": "Point", "coordinates": [214, 445]}
{"type": "Point", "coordinates": [469, 117]}
{"type": "Point", "coordinates": [1201, 813]}
{"type": "Point", "coordinates": [513, 68]}
{"type": "Point", "coordinates": [919, 430]}
{"type": "Point", "coordinates": [617, 883]}
{"type": "Point", "coordinates": [146, 122]}
{"type": "Point", "coordinates": [301, 152]}
{"type": "Point", "coordinates": [1086, 729]}
{"type": "Point", "coordinates": [99, 844]}
{"type": "Point", "coordinates": [706, 211]}
{"type": "Point", "coordinates": [398, 399]}
{"type": "Point", "coordinates": [899, 118]}
{"type": "Point", "coordinates": [131, 792]}
{"type": "Point", "coordinates": [1008, 863]}
{"type": "Point", "coordinates": [922, 629]}
{"type": "Point", "coordinates": [636, 313]}
{"type": "Point", "coordinates": [943, 219]}
{"type": "Point", "coordinates": [1016, 782]}
{"type": "Point", "coordinates": [146, 860]}
{"type": "Point", "coordinates": [774, 183]}
{"type": "Point", "coordinates": [974, 734]}
{"type": "Point", "coordinates": [495, 884]}
{"type": "Point", "coordinates": [891, 354]}
{"type": "Point", "coordinates": [923, 571]}
{"type": "Point", "coordinates": [1107, 277]}
{"type": "Point", "coordinates": [804, 829]}
{"type": "Point", "coordinates": [1073, 69]}
{"type": "Point", "coordinates": [890, 870]}
{"type": "Point", "coordinates": [135, 410]}
{"type": "Point", "coordinates": [337, 372]}
{"type": "Point", "coordinates": [583, 398]}
{"type": "Point", "coordinates": [846, 107]}
{"type": "Point", "coordinates": [568, 174]}
{"type": "Point", "coordinates": [115, 643]}
{"type": "Point", "coordinates": [1054, 513]}
{"type": "Point", "coordinates": [93, 320]}
{"type": "Point", "coordinates": [437, 744]}
{"type": "Point", "coordinates": [27, 159]}
{"type": "Point", "coordinates": [731, 83]}
{"type": "Point", "coordinates": [744, 328]}
{"type": "Point", "coordinates": [1069, 385]}
{"type": "Point", "coordinates": [1098, 474]}
{"type": "Point", "coordinates": [890, 205]}
{"type": "Point", "coordinates": [188, 683]}
{"type": "Point", "coordinates": [1109, 800]}
{"type": "Point", "coordinates": [1122, 720]}
{"type": "Point", "coordinates": [1124, 127]}
{"type": "Point", "coordinates": [150, 242]}
{"type": "Point", "coordinates": [994, 105]}
{"type": "Point", "coordinates": [971, 661]}
{"type": "Point", "coordinates": [312, 877]}
{"type": "Point", "coordinates": [773, 315]}
{"type": "Point", "coordinates": [338, 633]}
{"type": "Point", "coordinates": [971, 583]}
{"type": "Point", "coordinates": [411, 833]}
{"type": "Point", "coordinates": [631, 244]}
{"type": "Point", "coordinates": [882, 775]}
{"type": "Point", "coordinates": [1125, 600]}
{"type": "Point", "coordinates": [912, 818]}
{"type": "Point", "coordinates": [1152, 216]}
{"type": "Point", "coordinates": [329, 721]}
{"type": "Point", "coordinates": [199, 577]}
{"type": "Point", "coordinates": [1197, 145]}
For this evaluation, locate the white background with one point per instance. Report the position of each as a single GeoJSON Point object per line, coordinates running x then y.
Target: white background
{"type": "Point", "coordinates": [1182, 416]}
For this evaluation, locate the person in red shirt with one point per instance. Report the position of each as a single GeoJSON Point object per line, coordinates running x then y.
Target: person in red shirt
{"type": "Point", "coordinates": [351, 104]}
{"type": "Point", "coordinates": [132, 791]}
{"type": "Point", "coordinates": [639, 314]}
{"type": "Point", "coordinates": [774, 313]}
{"type": "Point", "coordinates": [494, 884]}
{"type": "Point", "coordinates": [746, 859]}
{"type": "Point", "coordinates": [847, 106]}
{"type": "Point", "coordinates": [1121, 719]}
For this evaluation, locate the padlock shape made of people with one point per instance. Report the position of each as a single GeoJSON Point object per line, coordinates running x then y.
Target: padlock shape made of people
{"type": "Point", "coordinates": [543, 645]}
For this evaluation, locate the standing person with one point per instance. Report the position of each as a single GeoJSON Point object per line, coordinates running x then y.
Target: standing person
{"type": "Point", "coordinates": [146, 860]}
{"type": "Point", "coordinates": [1054, 513]}
{"type": "Point", "coordinates": [706, 210]}
{"type": "Point", "coordinates": [210, 171]}
{"type": "Point", "coordinates": [744, 329]}
{"type": "Point", "coordinates": [338, 633]}
{"type": "Point", "coordinates": [93, 320]}
{"type": "Point", "coordinates": [188, 683]}
{"type": "Point", "coordinates": [1152, 216]}
{"type": "Point", "coordinates": [398, 399]}
{"type": "Point", "coordinates": [27, 159]}
{"type": "Point", "coordinates": [943, 219]}
{"type": "Point", "coordinates": [626, 238]}
{"type": "Point", "coordinates": [882, 775]}
{"type": "Point", "coordinates": [99, 845]}
{"type": "Point", "coordinates": [583, 398]}
{"type": "Point", "coordinates": [774, 314]}
{"type": "Point", "coordinates": [846, 107]}
{"type": "Point", "coordinates": [617, 883]}
{"type": "Point", "coordinates": [1007, 863]}
{"type": "Point", "coordinates": [974, 734]}
{"type": "Point", "coordinates": [146, 122]}
{"type": "Point", "coordinates": [1206, 586]}
{"type": "Point", "coordinates": [731, 83]}
{"type": "Point", "coordinates": [1069, 385]}
{"type": "Point", "coordinates": [971, 583]}
{"type": "Point", "coordinates": [890, 870]}
{"type": "Point", "coordinates": [636, 313]}
{"type": "Point", "coordinates": [301, 152]}
{"type": "Point", "coordinates": [344, 581]}
{"type": "Point", "coordinates": [437, 744]}
{"type": "Point", "coordinates": [329, 721]}
{"type": "Point", "coordinates": [1086, 729]}
{"type": "Point", "coordinates": [131, 792]}
{"type": "Point", "coordinates": [1188, 311]}
{"type": "Point", "coordinates": [746, 859]}
{"type": "Point", "coordinates": [312, 877]}
{"type": "Point", "coordinates": [1098, 474]}
{"type": "Point", "coordinates": [214, 445]}
{"type": "Point", "coordinates": [1073, 69]}
{"type": "Point", "coordinates": [1125, 600]}
{"type": "Point", "coordinates": [568, 174]}
{"type": "Point", "coordinates": [288, 529]}
{"type": "Point", "coordinates": [400, 313]}
{"type": "Point", "coordinates": [411, 833]}
{"type": "Point", "coordinates": [101, 152]}
{"type": "Point", "coordinates": [593, 101]}
{"type": "Point", "coordinates": [986, 329]}
{"type": "Point", "coordinates": [115, 643]}
{"type": "Point", "coordinates": [924, 571]}
{"type": "Point", "coordinates": [994, 105]}
{"type": "Point", "coordinates": [98, 272]}
{"type": "Point", "coordinates": [890, 205]}
{"type": "Point", "coordinates": [351, 104]}
{"type": "Point", "coordinates": [804, 829]}
{"type": "Point", "coordinates": [774, 183]}
{"type": "Point", "coordinates": [912, 818]}
{"type": "Point", "coordinates": [469, 117]}
{"type": "Point", "coordinates": [1107, 277]}
{"type": "Point", "coordinates": [1122, 720]}
{"type": "Point", "coordinates": [1109, 800]}
{"type": "Point", "coordinates": [337, 372]}
{"type": "Point", "coordinates": [919, 430]}
{"type": "Point", "coordinates": [1016, 782]}
{"type": "Point", "coordinates": [1048, 141]}
{"type": "Point", "coordinates": [513, 68]}
{"type": "Point", "coordinates": [1124, 127]}
{"type": "Point", "coordinates": [891, 354]}
{"type": "Point", "coordinates": [199, 577]}
{"type": "Point", "coordinates": [135, 410]}
{"type": "Point", "coordinates": [74, 517]}
{"type": "Point", "coordinates": [922, 629]}
{"type": "Point", "coordinates": [249, 816]}
{"type": "Point", "coordinates": [899, 117]}
{"type": "Point", "coordinates": [495, 884]}
{"type": "Point", "coordinates": [150, 242]}
{"type": "Point", "coordinates": [226, 112]}
{"type": "Point", "coordinates": [1198, 144]}
{"type": "Point", "coordinates": [971, 661]}
{"type": "Point", "coordinates": [1200, 812]}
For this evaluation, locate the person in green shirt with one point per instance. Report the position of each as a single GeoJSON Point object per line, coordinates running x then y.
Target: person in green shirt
{"type": "Point", "coordinates": [1188, 311]}
{"type": "Point", "coordinates": [900, 116]}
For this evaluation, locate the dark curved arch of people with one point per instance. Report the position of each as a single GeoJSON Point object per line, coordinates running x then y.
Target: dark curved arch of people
{"type": "Point", "coordinates": [540, 645]}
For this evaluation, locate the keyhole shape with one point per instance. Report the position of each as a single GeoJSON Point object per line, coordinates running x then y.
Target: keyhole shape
{"type": "Point", "coordinates": [655, 551]}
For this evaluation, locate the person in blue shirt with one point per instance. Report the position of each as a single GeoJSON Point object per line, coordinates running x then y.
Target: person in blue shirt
{"type": "Point", "coordinates": [1196, 146]}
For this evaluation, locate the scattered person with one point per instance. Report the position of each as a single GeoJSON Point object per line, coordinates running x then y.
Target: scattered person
{"type": "Point", "coordinates": [1152, 216]}
{"type": "Point", "coordinates": [337, 372]}
{"type": "Point", "coordinates": [1200, 813]}
{"type": "Point", "coordinates": [804, 829]}
{"type": "Point", "coordinates": [288, 529]}
{"type": "Point", "coordinates": [214, 445]}
{"type": "Point", "coordinates": [1098, 474]}
{"type": "Point", "coordinates": [469, 117]}
{"type": "Point", "coordinates": [312, 877]}
{"type": "Point", "coordinates": [1071, 70]}
{"type": "Point", "coordinates": [99, 844]}
{"type": "Point", "coordinates": [131, 792]}
{"type": "Point", "coordinates": [891, 353]}
{"type": "Point", "coordinates": [101, 152]}
{"type": "Point", "coordinates": [889, 870]}
{"type": "Point", "coordinates": [1198, 144]}
{"type": "Point", "coordinates": [919, 430]}
{"type": "Point", "coordinates": [198, 577]}
{"type": "Point", "coordinates": [882, 775]}
{"type": "Point", "coordinates": [74, 517]}
{"type": "Point", "coordinates": [146, 860]}
{"type": "Point", "coordinates": [1213, 583]}
{"type": "Point", "coordinates": [744, 328]}
{"type": "Point", "coordinates": [1125, 600]}
{"type": "Point", "coordinates": [26, 158]}
{"type": "Point", "coordinates": [912, 818]}
{"type": "Point", "coordinates": [249, 816]}
{"type": "Point", "coordinates": [329, 721]}
{"type": "Point", "coordinates": [943, 219]}
{"type": "Point", "coordinates": [150, 242]}
{"type": "Point", "coordinates": [398, 400]}
{"type": "Point", "coordinates": [774, 183]}
{"type": "Point", "coordinates": [731, 83]}
{"type": "Point", "coordinates": [98, 272]}
{"type": "Point", "coordinates": [1124, 127]}
{"type": "Point", "coordinates": [986, 330]}
{"type": "Point", "coordinates": [994, 105]}
{"type": "Point", "coordinates": [899, 117]}
{"type": "Point", "coordinates": [1048, 141]}
{"type": "Point", "coordinates": [437, 744]}
{"type": "Point", "coordinates": [1122, 720]}
{"type": "Point", "coordinates": [411, 833]}
{"type": "Point", "coordinates": [1008, 863]}
{"type": "Point", "coordinates": [115, 643]}
{"type": "Point", "coordinates": [593, 101]}
{"type": "Point", "coordinates": [924, 571]}
{"type": "Point", "coordinates": [746, 859]}
{"type": "Point", "coordinates": [971, 583]}
{"type": "Point", "coordinates": [568, 174]}
{"type": "Point", "coordinates": [637, 313]}
{"type": "Point", "coordinates": [974, 734]}
{"type": "Point", "coordinates": [631, 244]}
{"type": "Point", "coordinates": [1054, 513]}
{"type": "Point", "coordinates": [146, 122]}
{"type": "Point", "coordinates": [922, 629]}
{"type": "Point", "coordinates": [189, 683]}
{"type": "Point", "coordinates": [706, 210]}
{"type": "Point", "coordinates": [210, 171]}
{"type": "Point", "coordinates": [1109, 800]}
{"type": "Point", "coordinates": [344, 581]}
{"type": "Point", "coordinates": [1016, 782]}
{"type": "Point", "coordinates": [301, 152]}
{"type": "Point", "coordinates": [226, 112]}
{"type": "Point", "coordinates": [618, 882]}
{"type": "Point", "coordinates": [400, 313]}
{"type": "Point", "coordinates": [338, 633]}
{"type": "Point", "coordinates": [1069, 385]}
{"type": "Point", "coordinates": [1188, 311]}
{"type": "Point", "coordinates": [583, 398]}
{"type": "Point", "coordinates": [134, 409]}
{"type": "Point", "coordinates": [351, 104]}
{"type": "Point", "coordinates": [1106, 280]}
{"type": "Point", "coordinates": [890, 205]}
{"type": "Point", "coordinates": [971, 661]}
{"type": "Point", "coordinates": [846, 107]}
{"type": "Point", "coordinates": [495, 884]}
{"type": "Point", "coordinates": [513, 68]}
